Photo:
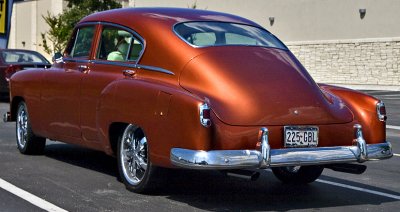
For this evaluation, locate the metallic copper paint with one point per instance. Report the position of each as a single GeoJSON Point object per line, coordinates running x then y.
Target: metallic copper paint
{"type": "Point", "coordinates": [256, 83]}
{"type": "Point", "coordinates": [68, 105]}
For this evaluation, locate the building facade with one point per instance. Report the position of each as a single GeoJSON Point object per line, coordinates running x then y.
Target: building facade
{"type": "Point", "coordinates": [339, 41]}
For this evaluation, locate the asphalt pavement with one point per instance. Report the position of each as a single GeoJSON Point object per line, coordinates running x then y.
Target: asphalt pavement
{"type": "Point", "coordinates": [72, 178]}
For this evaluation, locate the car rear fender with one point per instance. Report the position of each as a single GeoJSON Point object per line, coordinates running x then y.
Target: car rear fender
{"type": "Point", "coordinates": [364, 110]}
{"type": "Point", "coordinates": [168, 115]}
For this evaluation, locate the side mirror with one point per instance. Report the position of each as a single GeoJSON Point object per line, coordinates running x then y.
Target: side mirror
{"type": "Point", "coordinates": [58, 57]}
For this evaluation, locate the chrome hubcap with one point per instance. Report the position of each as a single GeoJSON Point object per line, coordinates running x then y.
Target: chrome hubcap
{"type": "Point", "coordinates": [22, 127]}
{"type": "Point", "coordinates": [133, 155]}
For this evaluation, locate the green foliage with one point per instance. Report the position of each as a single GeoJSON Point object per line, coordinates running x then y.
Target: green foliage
{"type": "Point", "coordinates": [62, 25]}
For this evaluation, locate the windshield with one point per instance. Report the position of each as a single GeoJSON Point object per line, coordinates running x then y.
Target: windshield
{"type": "Point", "coordinates": [202, 34]}
{"type": "Point", "coordinates": [12, 56]}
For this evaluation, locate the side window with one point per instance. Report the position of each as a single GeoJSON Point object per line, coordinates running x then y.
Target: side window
{"type": "Point", "coordinates": [83, 42]}
{"type": "Point", "coordinates": [232, 38]}
{"type": "Point", "coordinates": [118, 45]}
{"type": "Point", "coordinates": [203, 39]}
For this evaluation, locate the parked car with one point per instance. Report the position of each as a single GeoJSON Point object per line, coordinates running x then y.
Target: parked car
{"type": "Point", "coordinates": [13, 60]}
{"type": "Point", "coordinates": [195, 89]}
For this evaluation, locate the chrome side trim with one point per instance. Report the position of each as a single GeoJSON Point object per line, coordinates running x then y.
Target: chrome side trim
{"type": "Point", "coordinates": [136, 66]}
{"type": "Point", "coordinates": [239, 159]}
{"type": "Point", "coordinates": [70, 59]}
{"type": "Point", "coordinates": [156, 69]}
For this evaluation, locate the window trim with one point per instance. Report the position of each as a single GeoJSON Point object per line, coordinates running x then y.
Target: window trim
{"type": "Point", "coordinates": [134, 34]}
{"type": "Point", "coordinates": [228, 22]}
{"type": "Point", "coordinates": [76, 31]}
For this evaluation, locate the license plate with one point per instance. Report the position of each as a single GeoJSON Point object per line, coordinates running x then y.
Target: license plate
{"type": "Point", "coordinates": [301, 136]}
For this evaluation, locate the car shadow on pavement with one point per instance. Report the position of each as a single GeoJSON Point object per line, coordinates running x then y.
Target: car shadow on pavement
{"type": "Point", "coordinates": [214, 191]}
{"type": "Point", "coordinates": [82, 157]}
{"type": "Point", "coordinates": [4, 98]}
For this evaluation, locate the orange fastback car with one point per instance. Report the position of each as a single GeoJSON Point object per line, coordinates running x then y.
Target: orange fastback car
{"type": "Point", "coordinates": [195, 89]}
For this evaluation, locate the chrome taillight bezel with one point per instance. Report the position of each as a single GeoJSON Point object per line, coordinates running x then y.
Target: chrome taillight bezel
{"type": "Point", "coordinates": [204, 120]}
{"type": "Point", "coordinates": [379, 106]}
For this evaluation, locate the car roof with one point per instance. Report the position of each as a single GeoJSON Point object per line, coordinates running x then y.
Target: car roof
{"type": "Point", "coordinates": [159, 16]}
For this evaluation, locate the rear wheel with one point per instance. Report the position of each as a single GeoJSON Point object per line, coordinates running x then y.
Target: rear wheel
{"type": "Point", "coordinates": [27, 141]}
{"type": "Point", "coordinates": [298, 174]}
{"type": "Point", "coordinates": [134, 163]}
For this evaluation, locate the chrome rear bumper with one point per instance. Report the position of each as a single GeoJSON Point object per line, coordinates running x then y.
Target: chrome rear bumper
{"type": "Point", "coordinates": [266, 157]}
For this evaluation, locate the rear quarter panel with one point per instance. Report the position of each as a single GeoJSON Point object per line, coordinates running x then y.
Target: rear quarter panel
{"type": "Point", "coordinates": [167, 114]}
{"type": "Point", "coordinates": [363, 107]}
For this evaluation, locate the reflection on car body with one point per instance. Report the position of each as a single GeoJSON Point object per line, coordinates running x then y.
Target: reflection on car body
{"type": "Point", "coordinates": [182, 88]}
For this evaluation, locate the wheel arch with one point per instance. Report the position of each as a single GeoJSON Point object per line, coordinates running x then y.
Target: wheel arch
{"type": "Point", "coordinates": [16, 100]}
{"type": "Point", "coordinates": [114, 132]}
{"type": "Point", "coordinates": [168, 114]}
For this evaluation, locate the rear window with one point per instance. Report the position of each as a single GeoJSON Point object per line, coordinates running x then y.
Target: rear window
{"type": "Point", "coordinates": [22, 57]}
{"type": "Point", "coordinates": [202, 34]}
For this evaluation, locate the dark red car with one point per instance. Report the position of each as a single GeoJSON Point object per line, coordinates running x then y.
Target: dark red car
{"type": "Point", "coordinates": [13, 60]}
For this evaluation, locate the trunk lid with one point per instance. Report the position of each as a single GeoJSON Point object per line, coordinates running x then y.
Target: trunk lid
{"type": "Point", "coordinates": [260, 86]}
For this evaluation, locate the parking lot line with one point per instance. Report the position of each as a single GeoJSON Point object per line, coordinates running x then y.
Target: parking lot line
{"type": "Point", "coordinates": [393, 127]}
{"type": "Point", "coordinates": [360, 189]}
{"type": "Point", "coordinates": [397, 155]}
{"type": "Point", "coordinates": [37, 201]}
{"type": "Point", "coordinates": [354, 188]}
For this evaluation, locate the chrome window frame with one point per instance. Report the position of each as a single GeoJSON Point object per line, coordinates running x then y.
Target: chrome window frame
{"type": "Point", "coordinates": [127, 63]}
{"type": "Point", "coordinates": [255, 26]}
{"type": "Point", "coordinates": [127, 29]}
{"type": "Point", "coordinates": [79, 27]}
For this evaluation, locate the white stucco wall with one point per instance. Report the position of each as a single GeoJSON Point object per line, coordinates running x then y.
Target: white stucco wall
{"type": "Point", "coordinates": [27, 23]}
{"type": "Point", "coordinates": [301, 20]}
{"type": "Point", "coordinates": [329, 37]}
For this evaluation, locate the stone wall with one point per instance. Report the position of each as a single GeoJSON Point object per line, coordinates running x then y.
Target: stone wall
{"type": "Point", "coordinates": [351, 62]}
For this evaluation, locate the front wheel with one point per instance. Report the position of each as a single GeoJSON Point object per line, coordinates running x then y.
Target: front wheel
{"type": "Point", "coordinates": [134, 163]}
{"type": "Point", "coordinates": [27, 142]}
{"type": "Point", "coordinates": [298, 174]}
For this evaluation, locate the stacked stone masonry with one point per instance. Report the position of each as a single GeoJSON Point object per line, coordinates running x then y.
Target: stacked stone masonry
{"type": "Point", "coordinates": [356, 62]}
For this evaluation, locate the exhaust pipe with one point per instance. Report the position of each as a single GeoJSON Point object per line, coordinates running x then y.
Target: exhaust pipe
{"type": "Point", "coordinates": [243, 174]}
{"type": "Point", "coordinates": [347, 168]}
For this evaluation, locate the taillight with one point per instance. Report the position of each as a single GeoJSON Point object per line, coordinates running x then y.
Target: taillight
{"type": "Point", "coordinates": [205, 115]}
{"type": "Point", "coordinates": [381, 111]}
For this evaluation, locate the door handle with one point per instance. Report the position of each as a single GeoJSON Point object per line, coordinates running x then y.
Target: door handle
{"type": "Point", "coordinates": [84, 69]}
{"type": "Point", "coordinates": [129, 73]}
